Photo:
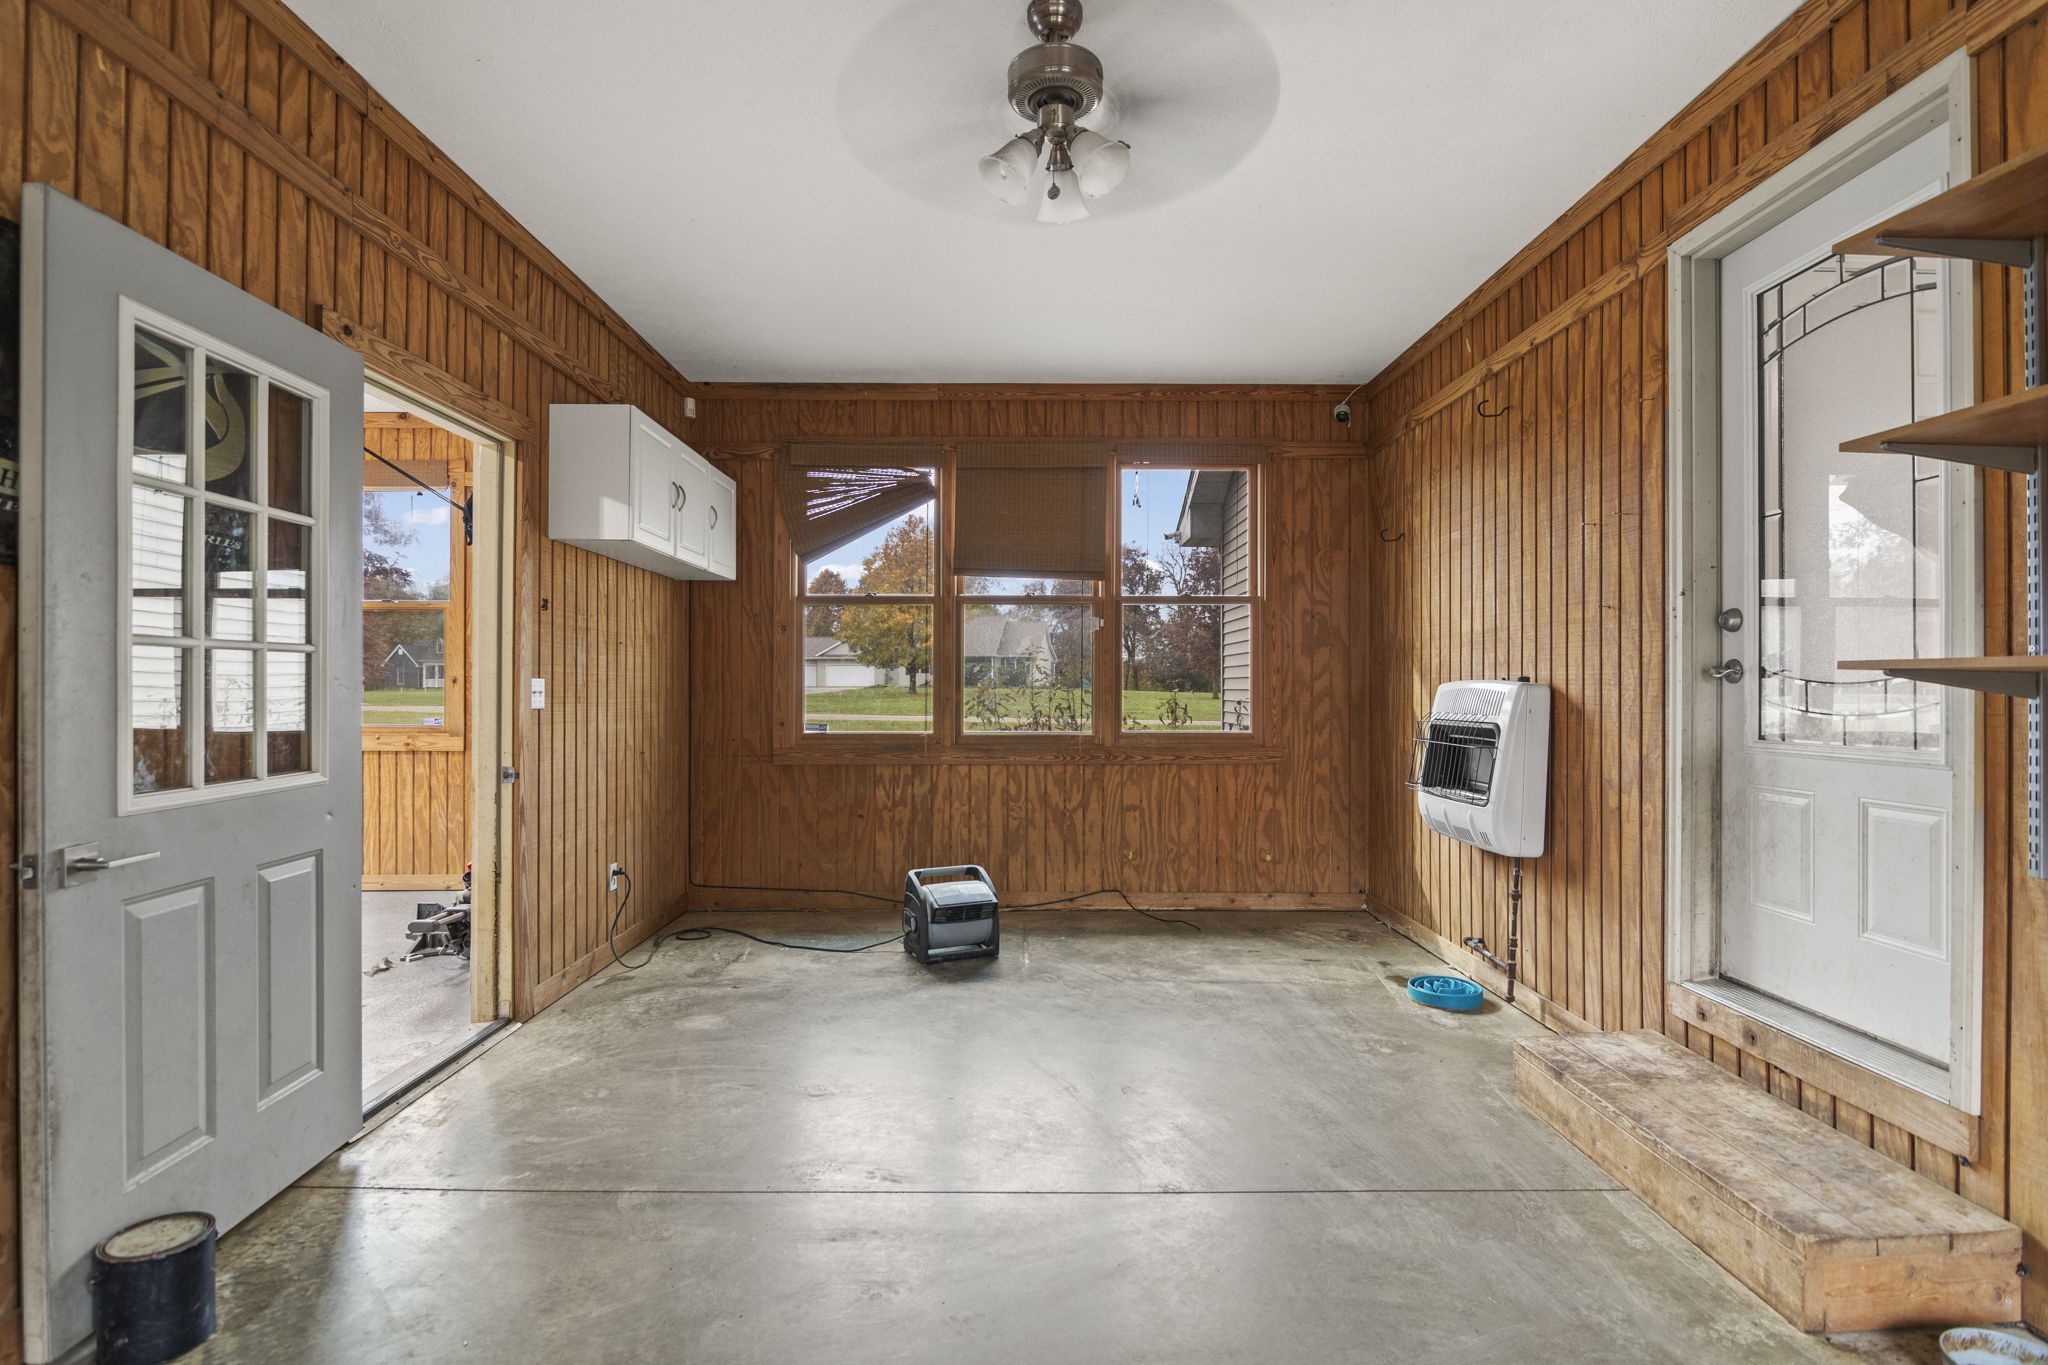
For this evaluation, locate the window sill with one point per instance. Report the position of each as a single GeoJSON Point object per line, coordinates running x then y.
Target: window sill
{"type": "Point", "coordinates": [852, 751]}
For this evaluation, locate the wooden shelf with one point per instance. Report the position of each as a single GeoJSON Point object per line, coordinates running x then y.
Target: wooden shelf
{"type": "Point", "coordinates": [2014, 675]}
{"type": "Point", "coordinates": [2005, 433]}
{"type": "Point", "coordinates": [1995, 217]}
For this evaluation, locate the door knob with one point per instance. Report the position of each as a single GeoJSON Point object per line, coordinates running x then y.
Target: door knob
{"type": "Point", "coordinates": [1730, 672]}
{"type": "Point", "coordinates": [1729, 619]}
{"type": "Point", "coordinates": [81, 861]}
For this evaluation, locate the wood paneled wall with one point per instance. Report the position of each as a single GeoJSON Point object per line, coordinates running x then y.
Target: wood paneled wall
{"type": "Point", "coordinates": [225, 130]}
{"type": "Point", "coordinates": [1534, 545]}
{"type": "Point", "coordinates": [1223, 834]}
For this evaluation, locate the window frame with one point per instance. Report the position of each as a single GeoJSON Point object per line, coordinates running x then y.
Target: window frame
{"type": "Point", "coordinates": [949, 739]}
{"type": "Point", "coordinates": [197, 641]}
{"type": "Point", "coordinates": [453, 735]}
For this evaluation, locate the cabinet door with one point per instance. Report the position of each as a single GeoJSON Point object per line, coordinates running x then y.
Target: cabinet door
{"type": "Point", "coordinates": [722, 554]}
{"type": "Point", "coordinates": [657, 489]}
{"type": "Point", "coordinates": [693, 507]}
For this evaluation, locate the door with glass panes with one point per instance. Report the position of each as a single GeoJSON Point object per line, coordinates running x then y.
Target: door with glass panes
{"type": "Point", "coordinates": [1841, 863]}
{"type": "Point", "coordinates": [192, 780]}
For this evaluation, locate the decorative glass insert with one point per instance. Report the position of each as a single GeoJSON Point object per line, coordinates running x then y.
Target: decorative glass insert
{"type": "Point", "coordinates": [1849, 547]}
{"type": "Point", "coordinates": [221, 562]}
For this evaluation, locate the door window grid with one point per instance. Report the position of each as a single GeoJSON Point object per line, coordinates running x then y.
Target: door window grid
{"type": "Point", "coordinates": [219, 555]}
{"type": "Point", "coordinates": [1807, 701]}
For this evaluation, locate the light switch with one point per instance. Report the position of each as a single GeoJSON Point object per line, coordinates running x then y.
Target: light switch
{"type": "Point", "coordinates": [538, 694]}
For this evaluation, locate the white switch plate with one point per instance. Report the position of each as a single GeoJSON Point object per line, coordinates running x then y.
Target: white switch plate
{"type": "Point", "coordinates": [538, 694]}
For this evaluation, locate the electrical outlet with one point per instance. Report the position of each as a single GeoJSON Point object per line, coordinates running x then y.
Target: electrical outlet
{"type": "Point", "coordinates": [537, 693]}
{"type": "Point", "coordinates": [611, 876]}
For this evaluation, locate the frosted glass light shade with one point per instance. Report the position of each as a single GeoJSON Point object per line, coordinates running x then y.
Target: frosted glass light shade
{"type": "Point", "coordinates": [1061, 202]}
{"type": "Point", "coordinates": [1099, 163]}
{"type": "Point", "coordinates": [1007, 171]}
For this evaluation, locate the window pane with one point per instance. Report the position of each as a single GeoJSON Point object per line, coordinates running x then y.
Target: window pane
{"type": "Point", "coordinates": [291, 444]}
{"type": "Point", "coordinates": [893, 559]}
{"type": "Point", "coordinates": [230, 715]}
{"type": "Point", "coordinates": [1186, 532]}
{"type": "Point", "coordinates": [156, 538]}
{"type": "Point", "coordinates": [406, 546]}
{"type": "Point", "coordinates": [230, 581]}
{"type": "Point", "coordinates": [163, 386]}
{"type": "Point", "coordinates": [156, 705]}
{"type": "Point", "coordinates": [1027, 669]}
{"type": "Point", "coordinates": [405, 659]}
{"type": "Point", "coordinates": [1187, 668]}
{"type": "Point", "coordinates": [230, 394]}
{"type": "Point", "coordinates": [867, 669]}
{"type": "Point", "coordinates": [287, 712]}
{"type": "Point", "coordinates": [1028, 587]}
{"type": "Point", "coordinates": [284, 587]}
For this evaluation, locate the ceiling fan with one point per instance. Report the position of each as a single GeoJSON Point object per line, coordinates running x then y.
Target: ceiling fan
{"type": "Point", "coordinates": [1055, 84]}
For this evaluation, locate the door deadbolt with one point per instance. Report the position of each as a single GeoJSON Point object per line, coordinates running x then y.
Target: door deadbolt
{"type": "Point", "coordinates": [1730, 672]}
{"type": "Point", "coordinates": [1730, 619]}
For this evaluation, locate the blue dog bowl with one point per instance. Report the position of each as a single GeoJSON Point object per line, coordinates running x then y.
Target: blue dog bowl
{"type": "Point", "coordinates": [1445, 992]}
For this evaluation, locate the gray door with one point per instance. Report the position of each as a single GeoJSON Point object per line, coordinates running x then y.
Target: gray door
{"type": "Point", "coordinates": [191, 773]}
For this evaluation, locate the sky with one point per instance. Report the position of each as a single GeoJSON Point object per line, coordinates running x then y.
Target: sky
{"type": "Point", "coordinates": [1159, 493]}
{"type": "Point", "coordinates": [427, 518]}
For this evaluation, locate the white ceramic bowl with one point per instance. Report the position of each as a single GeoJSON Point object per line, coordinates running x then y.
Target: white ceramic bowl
{"type": "Point", "coordinates": [1989, 1346]}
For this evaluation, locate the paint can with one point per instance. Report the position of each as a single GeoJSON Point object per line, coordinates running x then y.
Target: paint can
{"type": "Point", "coordinates": [152, 1289]}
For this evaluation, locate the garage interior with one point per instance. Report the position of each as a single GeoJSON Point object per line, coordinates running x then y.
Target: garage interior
{"type": "Point", "coordinates": [1143, 522]}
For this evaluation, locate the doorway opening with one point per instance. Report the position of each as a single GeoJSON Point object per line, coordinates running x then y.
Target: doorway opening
{"type": "Point", "coordinates": [435, 541]}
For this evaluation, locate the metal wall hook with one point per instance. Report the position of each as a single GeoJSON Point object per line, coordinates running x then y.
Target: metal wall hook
{"type": "Point", "coordinates": [1386, 539]}
{"type": "Point", "coordinates": [1502, 413]}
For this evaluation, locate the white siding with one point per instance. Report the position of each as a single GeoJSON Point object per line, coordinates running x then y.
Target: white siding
{"type": "Point", "coordinates": [1237, 618]}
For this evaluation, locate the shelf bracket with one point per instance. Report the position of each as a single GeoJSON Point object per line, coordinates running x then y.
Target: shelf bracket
{"type": "Point", "coordinates": [2018, 459]}
{"type": "Point", "coordinates": [2026, 685]}
{"type": "Point", "coordinates": [2018, 253]}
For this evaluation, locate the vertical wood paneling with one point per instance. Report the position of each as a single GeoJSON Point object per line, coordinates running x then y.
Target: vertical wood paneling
{"type": "Point", "coordinates": [1588, 466]}
{"type": "Point", "coordinates": [226, 131]}
{"type": "Point", "coordinates": [1196, 833]}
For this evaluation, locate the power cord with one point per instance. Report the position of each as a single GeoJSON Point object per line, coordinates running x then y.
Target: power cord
{"type": "Point", "coordinates": [702, 932]}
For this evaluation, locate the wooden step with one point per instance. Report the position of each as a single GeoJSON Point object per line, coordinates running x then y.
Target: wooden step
{"type": "Point", "coordinates": [1826, 1231]}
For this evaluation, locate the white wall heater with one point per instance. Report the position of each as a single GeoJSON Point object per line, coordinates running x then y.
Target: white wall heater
{"type": "Point", "coordinates": [1482, 765]}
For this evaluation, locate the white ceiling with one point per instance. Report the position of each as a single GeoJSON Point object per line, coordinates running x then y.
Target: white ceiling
{"type": "Point", "coordinates": [786, 189]}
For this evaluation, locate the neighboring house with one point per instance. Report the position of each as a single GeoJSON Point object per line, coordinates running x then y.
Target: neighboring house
{"type": "Point", "coordinates": [1216, 513]}
{"type": "Point", "coordinates": [829, 662]}
{"type": "Point", "coordinates": [1006, 649]}
{"type": "Point", "coordinates": [420, 666]}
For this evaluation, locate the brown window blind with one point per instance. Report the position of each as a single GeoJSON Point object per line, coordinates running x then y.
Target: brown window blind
{"type": "Point", "coordinates": [1024, 509]}
{"type": "Point", "coordinates": [377, 474]}
{"type": "Point", "coordinates": [832, 495]}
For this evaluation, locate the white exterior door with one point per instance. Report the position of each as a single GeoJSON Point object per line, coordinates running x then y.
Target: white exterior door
{"type": "Point", "coordinates": [191, 776]}
{"type": "Point", "coordinates": [1841, 863]}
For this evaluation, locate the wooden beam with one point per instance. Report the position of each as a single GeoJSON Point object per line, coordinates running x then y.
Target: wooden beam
{"type": "Point", "coordinates": [408, 370]}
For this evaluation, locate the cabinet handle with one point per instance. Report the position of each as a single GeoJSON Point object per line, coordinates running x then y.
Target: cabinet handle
{"type": "Point", "coordinates": [686, 496]}
{"type": "Point", "coordinates": [673, 490]}
{"type": "Point", "coordinates": [714, 515]}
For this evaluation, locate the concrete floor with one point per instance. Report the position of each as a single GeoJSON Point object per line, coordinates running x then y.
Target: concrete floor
{"type": "Point", "coordinates": [1120, 1142]}
{"type": "Point", "coordinates": [414, 1013]}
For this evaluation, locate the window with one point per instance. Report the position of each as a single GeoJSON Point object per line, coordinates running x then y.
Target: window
{"type": "Point", "coordinates": [414, 563]}
{"type": "Point", "coordinates": [222, 548]}
{"type": "Point", "coordinates": [1075, 596]}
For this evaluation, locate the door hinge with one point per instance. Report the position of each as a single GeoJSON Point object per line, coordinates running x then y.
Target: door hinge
{"type": "Point", "coordinates": [25, 871]}
{"type": "Point", "coordinates": [508, 774]}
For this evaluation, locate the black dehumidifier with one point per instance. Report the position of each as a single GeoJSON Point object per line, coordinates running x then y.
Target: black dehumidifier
{"type": "Point", "coordinates": [949, 913]}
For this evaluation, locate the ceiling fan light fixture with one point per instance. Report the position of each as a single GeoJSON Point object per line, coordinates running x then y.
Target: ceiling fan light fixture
{"type": "Point", "coordinates": [1062, 201]}
{"type": "Point", "coordinates": [1008, 171]}
{"type": "Point", "coordinates": [1099, 163]}
{"type": "Point", "coordinates": [1056, 84]}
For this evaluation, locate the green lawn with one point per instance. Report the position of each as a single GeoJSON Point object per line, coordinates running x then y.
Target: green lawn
{"type": "Point", "coordinates": [1205, 711]}
{"type": "Point", "coordinates": [416, 698]}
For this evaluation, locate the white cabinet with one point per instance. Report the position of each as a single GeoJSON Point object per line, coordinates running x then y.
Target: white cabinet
{"type": "Point", "coordinates": [622, 485]}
